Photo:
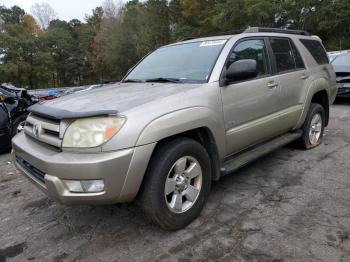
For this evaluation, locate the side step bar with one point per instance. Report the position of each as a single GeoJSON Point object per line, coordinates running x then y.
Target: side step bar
{"type": "Point", "coordinates": [243, 159]}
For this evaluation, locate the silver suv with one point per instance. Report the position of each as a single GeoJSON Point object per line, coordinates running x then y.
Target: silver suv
{"type": "Point", "coordinates": [186, 115]}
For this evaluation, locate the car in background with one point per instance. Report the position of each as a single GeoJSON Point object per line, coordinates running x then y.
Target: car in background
{"type": "Point", "coordinates": [72, 90]}
{"type": "Point", "coordinates": [334, 54]}
{"type": "Point", "coordinates": [80, 89]}
{"type": "Point", "coordinates": [5, 127]}
{"type": "Point", "coordinates": [341, 65]}
{"type": "Point", "coordinates": [16, 100]}
{"type": "Point", "coordinates": [46, 94]}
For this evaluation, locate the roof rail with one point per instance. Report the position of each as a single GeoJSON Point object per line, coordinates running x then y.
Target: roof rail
{"type": "Point", "coordinates": [275, 30]}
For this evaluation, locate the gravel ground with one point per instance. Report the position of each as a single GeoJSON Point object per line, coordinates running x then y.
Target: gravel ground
{"type": "Point", "coordinates": [289, 206]}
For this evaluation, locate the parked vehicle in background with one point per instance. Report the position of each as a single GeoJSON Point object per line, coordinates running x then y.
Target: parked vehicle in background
{"type": "Point", "coordinates": [73, 90]}
{"type": "Point", "coordinates": [80, 89]}
{"type": "Point", "coordinates": [334, 54]}
{"type": "Point", "coordinates": [341, 66]}
{"type": "Point", "coordinates": [46, 94]}
{"type": "Point", "coordinates": [5, 126]}
{"type": "Point", "coordinates": [17, 100]}
{"type": "Point", "coordinates": [187, 114]}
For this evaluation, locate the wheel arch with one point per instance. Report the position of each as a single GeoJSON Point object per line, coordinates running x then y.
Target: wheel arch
{"type": "Point", "coordinates": [205, 137]}
{"type": "Point", "coordinates": [318, 93]}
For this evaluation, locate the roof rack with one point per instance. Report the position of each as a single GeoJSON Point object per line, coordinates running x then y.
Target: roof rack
{"type": "Point", "coordinates": [276, 30]}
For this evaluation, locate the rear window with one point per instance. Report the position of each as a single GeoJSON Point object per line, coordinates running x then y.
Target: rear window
{"type": "Point", "coordinates": [286, 56]}
{"type": "Point", "coordinates": [316, 50]}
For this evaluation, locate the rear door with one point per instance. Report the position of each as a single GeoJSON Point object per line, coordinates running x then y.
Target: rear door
{"type": "Point", "coordinates": [293, 79]}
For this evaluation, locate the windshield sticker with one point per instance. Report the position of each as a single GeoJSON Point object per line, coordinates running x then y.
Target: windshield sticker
{"type": "Point", "coordinates": [212, 43]}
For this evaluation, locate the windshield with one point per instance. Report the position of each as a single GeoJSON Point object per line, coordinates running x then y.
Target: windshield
{"type": "Point", "coordinates": [342, 60]}
{"type": "Point", "coordinates": [192, 62]}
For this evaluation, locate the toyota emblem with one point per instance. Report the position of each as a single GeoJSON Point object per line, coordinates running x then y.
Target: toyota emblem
{"type": "Point", "coordinates": [36, 130]}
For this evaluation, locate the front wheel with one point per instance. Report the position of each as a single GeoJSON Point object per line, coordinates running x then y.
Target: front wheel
{"type": "Point", "coordinates": [313, 128]}
{"type": "Point", "coordinates": [177, 183]}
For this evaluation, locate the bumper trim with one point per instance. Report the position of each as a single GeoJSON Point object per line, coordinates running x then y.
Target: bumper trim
{"type": "Point", "coordinates": [31, 170]}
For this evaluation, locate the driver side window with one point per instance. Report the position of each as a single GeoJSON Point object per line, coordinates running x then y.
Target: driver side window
{"type": "Point", "coordinates": [251, 49]}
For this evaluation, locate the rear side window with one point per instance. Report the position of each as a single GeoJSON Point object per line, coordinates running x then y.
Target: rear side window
{"type": "Point", "coordinates": [283, 54]}
{"type": "Point", "coordinates": [316, 50]}
{"type": "Point", "coordinates": [299, 63]}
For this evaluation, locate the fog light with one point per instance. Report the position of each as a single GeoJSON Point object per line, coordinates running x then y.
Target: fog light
{"type": "Point", "coordinates": [85, 186]}
{"type": "Point", "coordinates": [74, 186]}
{"type": "Point", "coordinates": [93, 186]}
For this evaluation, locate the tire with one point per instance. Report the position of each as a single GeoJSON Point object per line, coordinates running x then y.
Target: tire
{"type": "Point", "coordinates": [169, 159]}
{"type": "Point", "coordinates": [313, 133]}
{"type": "Point", "coordinates": [18, 121]}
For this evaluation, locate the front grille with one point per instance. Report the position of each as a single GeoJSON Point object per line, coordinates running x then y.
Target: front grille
{"type": "Point", "coordinates": [32, 171]}
{"type": "Point", "coordinates": [46, 131]}
{"type": "Point", "coordinates": [343, 77]}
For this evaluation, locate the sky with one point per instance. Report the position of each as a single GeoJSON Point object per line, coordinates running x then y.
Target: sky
{"type": "Point", "coordinates": [66, 9]}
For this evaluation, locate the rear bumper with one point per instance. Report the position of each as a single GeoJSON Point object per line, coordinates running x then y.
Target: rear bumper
{"type": "Point", "coordinates": [122, 171]}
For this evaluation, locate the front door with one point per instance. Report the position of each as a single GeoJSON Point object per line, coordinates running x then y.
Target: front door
{"type": "Point", "coordinates": [251, 107]}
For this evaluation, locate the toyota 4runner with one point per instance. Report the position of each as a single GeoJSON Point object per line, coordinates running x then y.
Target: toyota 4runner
{"type": "Point", "coordinates": [184, 116]}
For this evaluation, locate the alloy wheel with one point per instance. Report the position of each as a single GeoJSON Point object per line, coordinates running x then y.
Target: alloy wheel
{"type": "Point", "coordinates": [183, 184]}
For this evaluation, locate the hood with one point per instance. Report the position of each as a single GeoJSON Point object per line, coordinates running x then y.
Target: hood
{"type": "Point", "coordinates": [113, 99]}
{"type": "Point", "coordinates": [341, 69]}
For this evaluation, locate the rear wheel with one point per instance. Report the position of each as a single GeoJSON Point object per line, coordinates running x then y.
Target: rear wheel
{"type": "Point", "coordinates": [313, 128]}
{"type": "Point", "coordinates": [177, 183]}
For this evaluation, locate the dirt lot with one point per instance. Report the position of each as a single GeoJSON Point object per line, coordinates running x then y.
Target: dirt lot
{"type": "Point", "coordinates": [290, 206]}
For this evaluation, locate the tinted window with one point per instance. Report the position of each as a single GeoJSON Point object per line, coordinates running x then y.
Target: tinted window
{"type": "Point", "coordinates": [283, 54]}
{"type": "Point", "coordinates": [316, 50]}
{"type": "Point", "coordinates": [251, 49]}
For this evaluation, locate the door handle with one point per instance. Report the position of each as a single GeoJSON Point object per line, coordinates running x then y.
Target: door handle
{"type": "Point", "coordinates": [304, 77]}
{"type": "Point", "coordinates": [272, 85]}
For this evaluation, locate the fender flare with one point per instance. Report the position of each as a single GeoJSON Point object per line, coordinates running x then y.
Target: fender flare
{"type": "Point", "coordinates": [184, 120]}
{"type": "Point", "coordinates": [317, 85]}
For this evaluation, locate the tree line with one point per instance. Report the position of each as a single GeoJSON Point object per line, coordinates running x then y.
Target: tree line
{"type": "Point", "coordinates": [39, 50]}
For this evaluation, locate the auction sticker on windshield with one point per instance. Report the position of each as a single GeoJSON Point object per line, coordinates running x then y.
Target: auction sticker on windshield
{"type": "Point", "coordinates": [212, 43]}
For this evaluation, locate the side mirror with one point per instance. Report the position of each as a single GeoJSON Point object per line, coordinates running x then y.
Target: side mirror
{"type": "Point", "coordinates": [242, 70]}
{"type": "Point", "coordinates": [9, 100]}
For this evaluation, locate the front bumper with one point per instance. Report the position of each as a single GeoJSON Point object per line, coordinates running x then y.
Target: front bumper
{"type": "Point", "coordinates": [122, 171]}
{"type": "Point", "coordinates": [343, 90]}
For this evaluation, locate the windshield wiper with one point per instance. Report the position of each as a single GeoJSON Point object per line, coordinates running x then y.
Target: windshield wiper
{"type": "Point", "coordinates": [164, 80]}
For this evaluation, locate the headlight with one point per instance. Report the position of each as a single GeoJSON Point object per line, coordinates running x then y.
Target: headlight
{"type": "Point", "coordinates": [92, 132]}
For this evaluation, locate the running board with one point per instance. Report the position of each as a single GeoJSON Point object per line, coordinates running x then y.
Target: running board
{"type": "Point", "coordinates": [249, 156]}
